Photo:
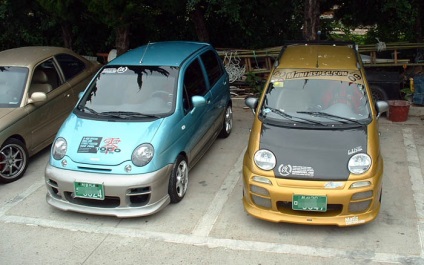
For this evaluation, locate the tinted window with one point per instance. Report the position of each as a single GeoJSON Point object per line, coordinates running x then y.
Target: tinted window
{"type": "Point", "coordinates": [71, 66]}
{"type": "Point", "coordinates": [213, 66]}
{"type": "Point", "coordinates": [194, 81]}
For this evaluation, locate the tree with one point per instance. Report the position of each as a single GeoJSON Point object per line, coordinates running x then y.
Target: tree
{"type": "Point", "coordinates": [311, 19]}
{"type": "Point", "coordinates": [120, 15]}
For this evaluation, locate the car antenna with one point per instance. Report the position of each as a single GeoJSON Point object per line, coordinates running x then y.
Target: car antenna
{"type": "Point", "coordinates": [141, 60]}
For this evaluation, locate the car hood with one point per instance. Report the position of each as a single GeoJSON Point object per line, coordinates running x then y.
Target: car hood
{"type": "Point", "coordinates": [313, 154]}
{"type": "Point", "coordinates": [105, 143]}
{"type": "Point", "coordinates": [4, 112]}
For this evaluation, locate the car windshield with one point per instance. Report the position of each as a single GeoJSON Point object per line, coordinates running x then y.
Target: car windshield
{"type": "Point", "coordinates": [132, 92]}
{"type": "Point", "coordinates": [320, 100]}
{"type": "Point", "coordinates": [12, 85]}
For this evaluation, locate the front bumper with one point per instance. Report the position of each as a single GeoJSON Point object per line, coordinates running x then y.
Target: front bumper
{"type": "Point", "coordinates": [346, 207]}
{"type": "Point", "coordinates": [125, 195]}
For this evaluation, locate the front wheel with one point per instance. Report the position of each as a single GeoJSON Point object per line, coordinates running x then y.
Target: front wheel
{"type": "Point", "coordinates": [13, 160]}
{"type": "Point", "coordinates": [178, 182]}
{"type": "Point", "coordinates": [227, 125]}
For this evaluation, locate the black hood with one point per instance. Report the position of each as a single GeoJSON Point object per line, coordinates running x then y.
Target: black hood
{"type": "Point", "coordinates": [313, 154]}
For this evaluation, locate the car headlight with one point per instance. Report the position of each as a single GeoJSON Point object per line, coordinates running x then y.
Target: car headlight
{"type": "Point", "coordinates": [142, 155]}
{"type": "Point", "coordinates": [264, 159]}
{"type": "Point", "coordinates": [359, 163]}
{"type": "Point", "coordinates": [60, 146]}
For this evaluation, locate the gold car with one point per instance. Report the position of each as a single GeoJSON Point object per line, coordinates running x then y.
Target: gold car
{"type": "Point", "coordinates": [314, 155]}
{"type": "Point", "coordinates": [39, 87]}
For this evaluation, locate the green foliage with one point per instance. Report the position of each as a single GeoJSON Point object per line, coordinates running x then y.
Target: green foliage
{"type": "Point", "coordinates": [254, 82]}
{"type": "Point", "coordinates": [252, 24]}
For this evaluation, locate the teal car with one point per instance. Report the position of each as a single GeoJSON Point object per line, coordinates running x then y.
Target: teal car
{"type": "Point", "coordinates": [141, 124]}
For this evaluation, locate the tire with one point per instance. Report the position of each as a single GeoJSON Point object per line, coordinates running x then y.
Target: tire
{"type": "Point", "coordinates": [227, 125]}
{"type": "Point", "coordinates": [178, 182]}
{"type": "Point", "coordinates": [378, 94]}
{"type": "Point", "coordinates": [13, 160]}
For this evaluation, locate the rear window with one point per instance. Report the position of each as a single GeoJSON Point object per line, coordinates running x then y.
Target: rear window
{"type": "Point", "coordinates": [71, 66]}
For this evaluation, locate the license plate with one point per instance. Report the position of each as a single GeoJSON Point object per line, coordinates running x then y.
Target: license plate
{"type": "Point", "coordinates": [89, 190]}
{"type": "Point", "coordinates": [309, 203]}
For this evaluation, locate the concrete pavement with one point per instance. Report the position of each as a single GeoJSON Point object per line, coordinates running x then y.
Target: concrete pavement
{"type": "Point", "coordinates": [210, 226]}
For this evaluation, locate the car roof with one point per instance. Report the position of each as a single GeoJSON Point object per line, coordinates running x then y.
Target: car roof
{"type": "Point", "coordinates": [328, 57]}
{"type": "Point", "coordinates": [167, 53]}
{"type": "Point", "coordinates": [30, 55]}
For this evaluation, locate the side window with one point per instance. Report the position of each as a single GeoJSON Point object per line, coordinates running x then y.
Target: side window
{"type": "Point", "coordinates": [44, 78]}
{"type": "Point", "coordinates": [71, 66]}
{"type": "Point", "coordinates": [194, 80]}
{"type": "Point", "coordinates": [213, 66]}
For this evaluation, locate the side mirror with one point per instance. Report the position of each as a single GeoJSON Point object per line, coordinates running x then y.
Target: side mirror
{"type": "Point", "coordinates": [381, 106]}
{"type": "Point", "coordinates": [252, 103]}
{"type": "Point", "coordinates": [37, 97]}
{"type": "Point", "coordinates": [198, 101]}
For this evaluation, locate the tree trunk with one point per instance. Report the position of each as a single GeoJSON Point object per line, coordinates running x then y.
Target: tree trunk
{"type": "Point", "coordinates": [197, 17]}
{"type": "Point", "coordinates": [122, 41]}
{"type": "Point", "coordinates": [418, 21]}
{"type": "Point", "coordinates": [66, 35]}
{"type": "Point", "coordinates": [311, 20]}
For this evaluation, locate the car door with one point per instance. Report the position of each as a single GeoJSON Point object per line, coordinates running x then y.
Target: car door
{"type": "Point", "coordinates": [45, 118]}
{"type": "Point", "coordinates": [217, 81]}
{"type": "Point", "coordinates": [195, 85]}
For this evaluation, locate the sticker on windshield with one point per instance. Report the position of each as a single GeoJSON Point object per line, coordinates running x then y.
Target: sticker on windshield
{"type": "Point", "coordinates": [286, 170]}
{"type": "Point", "coordinates": [119, 70]}
{"type": "Point", "coordinates": [280, 75]}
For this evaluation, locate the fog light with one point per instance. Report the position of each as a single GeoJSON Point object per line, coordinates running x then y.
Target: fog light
{"type": "Point", "coordinates": [262, 202]}
{"type": "Point", "coordinates": [128, 168]}
{"type": "Point", "coordinates": [355, 207]}
{"type": "Point", "coordinates": [262, 180]}
{"type": "Point", "coordinates": [64, 163]}
{"type": "Point", "coordinates": [360, 184]}
{"type": "Point", "coordinates": [259, 190]}
{"type": "Point", "coordinates": [362, 195]}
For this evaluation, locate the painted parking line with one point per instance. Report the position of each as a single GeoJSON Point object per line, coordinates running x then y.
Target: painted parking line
{"type": "Point", "coordinates": [416, 176]}
{"type": "Point", "coordinates": [206, 223]}
{"type": "Point", "coordinates": [200, 234]}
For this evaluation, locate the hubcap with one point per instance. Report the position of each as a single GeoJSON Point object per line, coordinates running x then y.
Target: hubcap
{"type": "Point", "coordinates": [228, 120]}
{"type": "Point", "coordinates": [12, 161]}
{"type": "Point", "coordinates": [182, 178]}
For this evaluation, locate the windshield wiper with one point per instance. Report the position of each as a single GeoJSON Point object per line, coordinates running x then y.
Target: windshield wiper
{"type": "Point", "coordinates": [293, 118]}
{"type": "Point", "coordinates": [128, 114]}
{"type": "Point", "coordinates": [330, 116]}
{"type": "Point", "coordinates": [83, 108]}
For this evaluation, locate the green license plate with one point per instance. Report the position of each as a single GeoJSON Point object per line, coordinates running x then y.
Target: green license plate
{"type": "Point", "coordinates": [89, 190]}
{"type": "Point", "coordinates": [309, 203]}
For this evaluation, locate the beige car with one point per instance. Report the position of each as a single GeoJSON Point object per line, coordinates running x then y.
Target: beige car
{"type": "Point", "coordinates": [39, 86]}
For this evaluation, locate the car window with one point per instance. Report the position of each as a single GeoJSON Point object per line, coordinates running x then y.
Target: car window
{"type": "Point", "coordinates": [194, 80]}
{"type": "Point", "coordinates": [12, 85]}
{"type": "Point", "coordinates": [70, 65]}
{"type": "Point", "coordinates": [52, 75]}
{"type": "Point", "coordinates": [141, 89]}
{"type": "Point", "coordinates": [346, 99]}
{"type": "Point", "coordinates": [213, 67]}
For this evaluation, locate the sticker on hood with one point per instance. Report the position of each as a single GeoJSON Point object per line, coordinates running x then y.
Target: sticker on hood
{"type": "Point", "coordinates": [287, 170]}
{"type": "Point", "coordinates": [91, 144]}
